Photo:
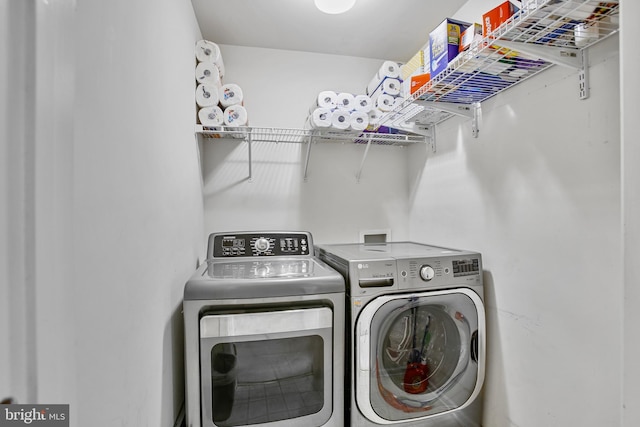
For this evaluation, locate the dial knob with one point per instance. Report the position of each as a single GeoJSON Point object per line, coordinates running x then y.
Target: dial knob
{"type": "Point", "coordinates": [427, 272]}
{"type": "Point", "coordinates": [261, 245]}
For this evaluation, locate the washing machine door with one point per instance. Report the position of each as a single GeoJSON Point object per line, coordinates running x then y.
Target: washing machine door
{"type": "Point", "coordinates": [419, 355]}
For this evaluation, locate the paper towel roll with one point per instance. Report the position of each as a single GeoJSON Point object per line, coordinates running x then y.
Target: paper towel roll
{"type": "Point", "coordinates": [230, 94]}
{"type": "Point", "coordinates": [359, 120]}
{"type": "Point", "coordinates": [385, 102]}
{"type": "Point", "coordinates": [345, 101]}
{"type": "Point", "coordinates": [235, 115]}
{"type": "Point", "coordinates": [211, 116]}
{"type": "Point", "coordinates": [206, 95]}
{"type": "Point", "coordinates": [363, 103]}
{"type": "Point", "coordinates": [340, 119]}
{"type": "Point", "coordinates": [325, 99]}
{"type": "Point", "coordinates": [320, 118]}
{"type": "Point", "coordinates": [207, 51]}
{"type": "Point", "coordinates": [208, 73]}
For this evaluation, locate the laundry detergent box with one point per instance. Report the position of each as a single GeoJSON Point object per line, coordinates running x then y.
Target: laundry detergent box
{"type": "Point", "coordinates": [497, 16]}
{"type": "Point", "coordinates": [470, 35]}
{"type": "Point", "coordinates": [444, 44]}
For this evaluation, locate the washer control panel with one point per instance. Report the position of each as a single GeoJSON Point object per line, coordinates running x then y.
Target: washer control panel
{"type": "Point", "coordinates": [227, 245]}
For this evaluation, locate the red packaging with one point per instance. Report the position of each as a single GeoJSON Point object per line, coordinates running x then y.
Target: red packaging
{"type": "Point", "coordinates": [497, 16]}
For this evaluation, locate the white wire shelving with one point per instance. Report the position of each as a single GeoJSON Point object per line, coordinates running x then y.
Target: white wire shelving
{"type": "Point", "coordinates": [542, 34]}
{"type": "Point", "coordinates": [309, 136]}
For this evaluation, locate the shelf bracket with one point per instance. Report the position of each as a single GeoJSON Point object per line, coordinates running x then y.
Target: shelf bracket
{"type": "Point", "coordinates": [249, 151]}
{"type": "Point", "coordinates": [306, 162]}
{"type": "Point", "coordinates": [583, 76]}
{"type": "Point", "coordinates": [565, 56]}
{"type": "Point", "coordinates": [470, 111]}
{"type": "Point", "coordinates": [364, 156]}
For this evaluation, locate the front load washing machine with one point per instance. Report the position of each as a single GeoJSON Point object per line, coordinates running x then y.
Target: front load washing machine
{"type": "Point", "coordinates": [264, 334]}
{"type": "Point", "coordinates": [415, 334]}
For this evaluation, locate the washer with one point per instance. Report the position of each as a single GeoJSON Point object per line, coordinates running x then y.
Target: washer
{"type": "Point", "coordinates": [415, 334]}
{"type": "Point", "coordinates": [264, 334]}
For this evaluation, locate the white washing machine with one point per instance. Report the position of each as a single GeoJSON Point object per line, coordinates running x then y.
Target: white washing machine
{"type": "Point", "coordinates": [264, 334]}
{"type": "Point", "coordinates": [415, 335]}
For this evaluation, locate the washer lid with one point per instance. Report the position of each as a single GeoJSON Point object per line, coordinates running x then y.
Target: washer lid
{"type": "Point", "coordinates": [390, 250]}
{"type": "Point", "coordinates": [262, 277]}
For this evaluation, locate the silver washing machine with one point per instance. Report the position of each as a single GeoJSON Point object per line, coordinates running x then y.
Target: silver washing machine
{"type": "Point", "coordinates": [264, 334]}
{"type": "Point", "coordinates": [415, 334]}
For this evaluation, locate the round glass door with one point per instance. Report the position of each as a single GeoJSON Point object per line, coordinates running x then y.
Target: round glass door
{"type": "Point", "coordinates": [420, 355]}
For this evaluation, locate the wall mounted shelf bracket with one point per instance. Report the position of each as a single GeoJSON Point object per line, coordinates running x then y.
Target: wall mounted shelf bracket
{"type": "Point", "coordinates": [573, 58]}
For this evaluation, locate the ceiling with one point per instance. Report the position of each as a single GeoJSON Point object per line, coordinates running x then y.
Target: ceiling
{"type": "Point", "coordinates": [378, 29]}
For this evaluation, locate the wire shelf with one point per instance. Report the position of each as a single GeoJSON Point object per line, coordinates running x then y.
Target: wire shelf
{"type": "Point", "coordinates": [556, 30]}
{"type": "Point", "coordinates": [298, 136]}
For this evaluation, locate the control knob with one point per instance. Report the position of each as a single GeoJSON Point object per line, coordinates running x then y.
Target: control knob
{"type": "Point", "coordinates": [261, 245]}
{"type": "Point", "coordinates": [427, 272]}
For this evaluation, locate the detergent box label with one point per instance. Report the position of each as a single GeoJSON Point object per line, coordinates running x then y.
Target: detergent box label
{"type": "Point", "coordinates": [444, 44]}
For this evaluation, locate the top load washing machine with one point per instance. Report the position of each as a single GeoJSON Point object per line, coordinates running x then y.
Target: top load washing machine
{"type": "Point", "coordinates": [415, 334]}
{"type": "Point", "coordinates": [264, 334]}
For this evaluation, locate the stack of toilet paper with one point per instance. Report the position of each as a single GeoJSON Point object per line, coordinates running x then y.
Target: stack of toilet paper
{"type": "Point", "coordinates": [218, 104]}
{"type": "Point", "coordinates": [385, 90]}
{"type": "Point", "coordinates": [339, 111]}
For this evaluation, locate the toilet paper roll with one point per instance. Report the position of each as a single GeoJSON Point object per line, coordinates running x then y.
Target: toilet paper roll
{"type": "Point", "coordinates": [385, 102]}
{"type": "Point", "coordinates": [345, 101]}
{"type": "Point", "coordinates": [340, 119]}
{"type": "Point", "coordinates": [389, 69]}
{"type": "Point", "coordinates": [389, 86]}
{"type": "Point", "coordinates": [374, 116]}
{"type": "Point", "coordinates": [363, 103]}
{"type": "Point", "coordinates": [207, 51]}
{"type": "Point", "coordinates": [235, 115]}
{"type": "Point", "coordinates": [206, 95]}
{"type": "Point", "coordinates": [359, 120]}
{"type": "Point", "coordinates": [211, 116]}
{"type": "Point", "coordinates": [208, 73]}
{"type": "Point", "coordinates": [320, 118]}
{"type": "Point", "coordinates": [230, 94]}
{"type": "Point", "coordinates": [325, 99]}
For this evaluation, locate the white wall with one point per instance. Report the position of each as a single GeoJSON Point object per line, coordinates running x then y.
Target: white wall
{"type": "Point", "coordinates": [538, 193]}
{"type": "Point", "coordinates": [113, 212]}
{"type": "Point", "coordinates": [629, 63]}
{"type": "Point", "coordinates": [279, 88]}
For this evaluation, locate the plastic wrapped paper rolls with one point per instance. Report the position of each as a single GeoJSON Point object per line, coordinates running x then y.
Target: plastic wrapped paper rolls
{"type": "Point", "coordinates": [374, 118]}
{"type": "Point", "coordinates": [340, 119]}
{"type": "Point", "coordinates": [363, 103]}
{"type": "Point", "coordinates": [388, 69]}
{"type": "Point", "coordinates": [230, 94]}
{"type": "Point", "coordinates": [389, 86]}
{"type": "Point", "coordinates": [345, 101]}
{"type": "Point", "coordinates": [209, 52]}
{"type": "Point", "coordinates": [235, 115]}
{"type": "Point", "coordinates": [359, 120]}
{"type": "Point", "coordinates": [211, 116]}
{"type": "Point", "coordinates": [207, 73]}
{"type": "Point", "coordinates": [385, 102]}
{"type": "Point", "coordinates": [206, 95]}
{"type": "Point", "coordinates": [320, 118]}
{"type": "Point", "coordinates": [325, 99]}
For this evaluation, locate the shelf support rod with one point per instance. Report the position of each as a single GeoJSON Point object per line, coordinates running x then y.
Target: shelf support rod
{"type": "Point", "coordinates": [432, 131]}
{"type": "Point", "coordinates": [306, 162]}
{"type": "Point", "coordinates": [366, 151]}
{"type": "Point", "coordinates": [249, 150]}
